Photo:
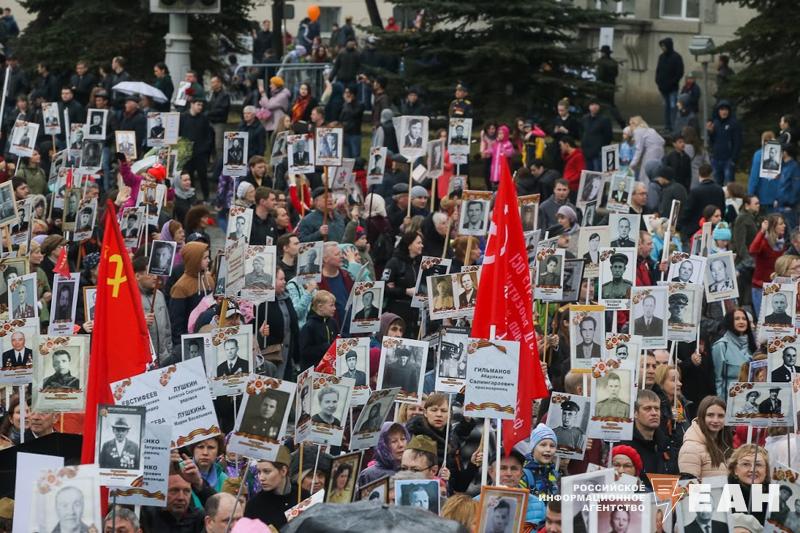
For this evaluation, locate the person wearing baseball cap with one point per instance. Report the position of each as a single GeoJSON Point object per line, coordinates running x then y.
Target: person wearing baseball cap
{"type": "Point", "coordinates": [278, 494]}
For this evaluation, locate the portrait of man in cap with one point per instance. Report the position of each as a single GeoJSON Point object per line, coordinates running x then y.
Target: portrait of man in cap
{"type": "Point", "coordinates": [617, 288]}
{"type": "Point", "coordinates": [459, 137]}
{"type": "Point", "coordinates": [258, 277]}
{"type": "Point", "coordinates": [351, 361]}
{"type": "Point", "coordinates": [771, 405]}
{"type": "Point", "coordinates": [570, 435]}
{"type": "Point", "coordinates": [120, 451]}
{"type": "Point", "coordinates": [677, 303]}
{"type": "Point", "coordinates": [309, 264]}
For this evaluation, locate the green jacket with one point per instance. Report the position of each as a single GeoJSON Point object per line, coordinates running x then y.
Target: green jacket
{"type": "Point", "coordinates": [35, 178]}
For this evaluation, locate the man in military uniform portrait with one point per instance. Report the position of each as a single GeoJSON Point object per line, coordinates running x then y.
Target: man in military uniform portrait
{"type": "Point", "coordinates": [551, 277]}
{"type": "Point", "coordinates": [62, 377]}
{"type": "Point", "coordinates": [119, 452]}
{"type": "Point", "coordinates": [623, 239]}
{"type": "Point", "coordinates": [258, 278]}
{"type": "Point", "coordinates": [23, 309]}
{"type": "Point", "coordinates": [267, 421]}
{"type": "Point", "coordinates": [612, 406]}
{"type": "Point", "coordinates": [617, 288]}
{"type": "Point", "coordinates": [351, 358]}
{"type": "Point", "coordinates": [778, 315]}
{"type": "Point", "coordinates": [570, 436]}
{"type": "Point", "coordinates": [460, 107]}
{"type": "Point", "coordinates": [677, 303]}
{"type": "Point", "coordinates": [772, 405]}
{"type": "Point", "coordinates": [459, 137]}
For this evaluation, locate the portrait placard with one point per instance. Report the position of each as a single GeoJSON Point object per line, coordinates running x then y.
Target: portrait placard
{"type": "Point", "coordinates": [23, 138]}
{"type": "Point", "coordinates": [230, 360]}
{"type": "Point", "coordinates": [195, 345]}
{"type": "Point", "coordinates": [240, 220]}
{"type": "Point", "coordinates": [342, 481]}
{"type": "Point", "coordinates": [549, 286]}
{"type": "Point", "coordinates": [786, 516]}
{"type": "Point", "coordinates": [85, 221]}
{"type": "Point", "coordinates": [573, 510]}
{"type": "Point", "coordinates": [429, 266]}
{"type": "Point", "coordinates": [720, 277]}
{"type": "Point", "coordinates": [329, 146]}
{"type": "Point", "coordinates": [573, 277]}
{"type": "Point", "coordinates": [435, 161]}
{"type": "Point", "coordinates": [162, 390]}
{"type": "Point", "coordinates": [451, 365]}
{"type": "Point", "coordinates": [492, 373]}
{"type": "Point", "coordinates": [590, 240]}
{"type": "Point", "coordinates": [341, 178]}
{"type": "Point", "coordinates": [623, 512]}
{"type": "Point", "coordinates": [352, 361]}
{"type": "Point", "coordinates": [590, 188]}
{"type": "Point", "coordinates": [622, 347]}
{"type": "Point", "coordinates": [777, 316]}
{"type": "Point", "coordinates": [51, 118]}
{"type": "Point", "coordinates": [259, 273]}
{"type": "Point", "coordinates": [18, 343]}
{"type": "Point", "coordinates": [376, 165]}
{"type": "Point", "coordinates": [684, 303]}
{"type": "Point", "coordinates": [623, 230]}
{"type": "Point", "coordinates": [420, 493]}
{"type": "Point", "coordinates": [132, 218]}
{"type": "Point", "coordinates": [648, 307]}
{"type": "Point", "coordinates": [619, 192]}
{"type": "Point", "coordinates": [712, 521]}
{"type": "Point", "coordinates": [782, 359]}
{"type": "Point", "coordinates": [162, 256]}
{"type": "Point", "coordinates": [10, 269]}
{"type": "Point", "coordinates": [459, 133]}
{"type": "Point", "coordinates": [21, 230]}
{"type": "Point", "coordinates": [22, 300]}
{"type": "Point", "coordinates": [119, 448]}
{"type": "Point", "coordinates": [300, 153]}
{"type": "Point", "coordinates": [126, 143]}
{"type": "Point", "coordinates": [586, 334]}
{"type": "Point", "coordinates": [685, 268]}
{"type": "Point", "coordinates": [8, 206]}
{"type": "Point", "coordinates": [155, 481]}
{"type": "Point", "coordinates": [300, 508]}
{"type": "Point", "coordinates": [529, 212]}
{"type": "Point", "coordinates": [568, 416]}
{"type": "Point", "coordinates": [453, 295]}
{"type": "Point", "coordinates": [502, 510]}
{"type": "Point", "coordinates": [617, 274]}
{"type": "Point", "coordinates": [91, 156]}
{"type": "Point", "coordinates": [403, 363]}
{"type": "Point", "coordinates": [235, 252]}
{"type": "Point", "coordinates": [234, 153]}
{"type": "Point", "coordinates": [474, 217]}
{"type": "Point", "coordinates": [771, 160]}
{"type": "Point", "coordinates": [367, 307]}
{"type": "Point", "coordinates": [66, 499]}
{"type": "Point", "coordinates": [609, 158]}
{"type": "Point", "coordinates": [367, 427]}
{"type": "Point", "coordinates": [412, 135]}
{"type": "Point", "coordinates": [376, 491]}
{"type": "Point", "coordinates": [279, 149]}
{"type": "Point", "coordinates": [613, 395]}
{"type": "Point", "coordinates": [329, 401]}
{"type": "Point", "coordinates": [162, 129]}
{"type": "Point", "coordinates": [309, 261]}
{"type": "Point", "coordinates": [60, 367]}
{"type": "Point", "coordinates": [63, 304]}
{"type": "Point", "coordinates": [262, 417]}
{"type": "Point", "coordinates": [760, 404]}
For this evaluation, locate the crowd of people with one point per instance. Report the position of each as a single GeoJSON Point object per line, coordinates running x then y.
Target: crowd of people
{"type": "Point", "coordinates": [382, 233]}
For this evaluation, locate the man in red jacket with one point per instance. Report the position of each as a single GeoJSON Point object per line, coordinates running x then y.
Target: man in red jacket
{"type": "Point", "coordinates": [574, 164]}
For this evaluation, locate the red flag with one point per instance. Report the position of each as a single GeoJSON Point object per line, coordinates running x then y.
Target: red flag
{"type": "Point", "coordinates": [62, 266]}
{"type": "Point", "coordinates": [120, 343]}
{"type": "Point", "coordinates": [505, 301]}
{"type": "Point", "coordinates": [327, 365]}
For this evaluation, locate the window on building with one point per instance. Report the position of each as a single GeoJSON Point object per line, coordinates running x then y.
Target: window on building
{"type": "Point", "coordinates": [328, 16]}
{"type": "Point", "coordinates": [614, 6]}
{"type": "Point", "coordinates": [682, 9]}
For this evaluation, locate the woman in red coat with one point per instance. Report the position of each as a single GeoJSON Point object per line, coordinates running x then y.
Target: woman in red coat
{"type": "Point", "coordinates": [768, 245]}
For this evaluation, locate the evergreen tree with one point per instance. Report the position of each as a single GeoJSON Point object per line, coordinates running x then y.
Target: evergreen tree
{"type": "Point", "coordinates": [768, 85]}
{"type": "Point", "coordinates": [64, 31]}
{"type": "Point", "coordinates": [516, 56]}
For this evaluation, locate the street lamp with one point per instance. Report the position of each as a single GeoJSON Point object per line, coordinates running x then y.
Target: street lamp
{"type": "Point", "coordinates": [703, 45]}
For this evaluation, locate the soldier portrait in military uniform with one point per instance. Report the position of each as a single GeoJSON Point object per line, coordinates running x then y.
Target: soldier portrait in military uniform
{"type": "Point", "coordinates": [66, 369]}
{"type": "Point", "coordinates": [569, 420]}
{"type": "Point", "coordinates": [22, 299]}
{"type": "Point", "coordinates": [624, 230]}
{"type": "Point", "coordinates": [678, 304]}
{"type": "Point", "coordinates": [614, 395]}
{"type": "Point", "coordinates": [353, 365]}
{"type": "Point", "coordinates": [550, 272]}
{"type": "Point", "coordinates": [264, 413]}
{"type": "Point", "coordinates": [257, 276]}
{"type": "Point", "coordinates": [616, 278]}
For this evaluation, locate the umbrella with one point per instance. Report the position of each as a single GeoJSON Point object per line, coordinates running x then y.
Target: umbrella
{"type": "Point", "coordinates": [369, 516]}
{"type": "Point", "coordinates": [144, 163]}
{"type": "Point", "coordinates": [140, 88]}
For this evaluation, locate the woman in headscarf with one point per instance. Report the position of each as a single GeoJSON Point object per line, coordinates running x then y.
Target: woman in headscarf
{"type": "Point", "coordinates": [245, 194]}
{"type": "Point", "coordinates": [185, 197]}
{"type": "Point", "coordinates": [502, 148]}
{"type": "Point", "coordinates": [190, 288]}
{"type": "Point", "coordinates": [172, 231]}
{"type": "Point", "coordinates": [388, 453]}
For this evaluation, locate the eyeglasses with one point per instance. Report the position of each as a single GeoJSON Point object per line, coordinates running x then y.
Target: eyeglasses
{"type": "Point", "coordinates": [411, 469]}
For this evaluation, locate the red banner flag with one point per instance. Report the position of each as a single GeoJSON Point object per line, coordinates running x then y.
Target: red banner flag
{"type": "Point", "coordinates": [62, 266]}
{"type": "Point", "coordinates": [327, 365]}
{"type": "Point", "coordinates": [505, 301]}
{"type": "Point", "coordinates": [120, 340]}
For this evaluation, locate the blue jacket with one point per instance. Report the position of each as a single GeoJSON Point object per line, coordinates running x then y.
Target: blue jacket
{"type": "Point", "coordinates": [766, 190]}
{"type": "Point", "coordinates": [726, 139]}
{"type": "Point", "coordinates": [789, 184]}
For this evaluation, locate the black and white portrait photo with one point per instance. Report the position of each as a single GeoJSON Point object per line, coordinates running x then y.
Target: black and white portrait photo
{"type": "Point", "coordinates": [376, 166]}
{"type": "Point", "coordinates": [354, 364]}
{"type": "Point", "coordinates": [51, 118]}
{"type": "Point", "coordinates": [502, 510]}
{"type": "Point", "coordinates": [70, 501]}
{"type": "Point", "coordinates": [686, 269]}
{"type": "Point", "coordinates": [458, 136]}
{"type": "Point", "coordinates": [329, 404]}
{"type": "Point", "coordinates": [86, 216]}
{"type": "Point", "coordinates": [329, 146]}
{"type": "Point", "coordinates": [777, 309]}
{"type": "Point", "coordinates": [155, 129]}
{"type": "Point", "coordinates": [126, 143]}
{"type": "Point", "coordinates": [550, 271]}
{"type": "Point", "coordinates": [590, 187]}
{"type": "Point", "coordinates": [720, 278]}
{"type": "Point", "coordinates": [619, 192]}
{"type": "Point", "coordinates": [452, 357]}
{"type": "Point", "coordinates": [771, 159]}
{"type": "Point", "coordinates": [573, 276]}
{"type": "Point", "coordinates": [587, 331]}
{"type": "Point", "coordinates": [240, 220]}
{"type": "Point", "coordinates": [609, 158]}
{"type": "Point", "coordinates": [65, 296]}
{"type": "Point", "coordinates": [528, 215]}
{"type": "Point", "coordinates": [403, 363]}
{"type": "Point", "coordinates": [683, 305]}
{"type": "Point", "coordinates": [618, 516]}
{"type": "Point", "coordinates": [649, 320]}
{"type": "Point", "coordinates": [367, 306]}
{"type": "Point", "coordinates": [72, 203]}
{"type": "Point", "coordinates": [96, 124]}
{"type": "Point", "coordinates": [568, 416]}
{"type": "Point", "coordinates": [120, 430]}
{"type": "Point", "coordinates": [709, 520]}
{"type": "Point", "coordinates": [234, 153]}
{"type": "Point", "coordinates": [466, 290]}
{"type": "Point", "coordinates": [259, 272]}
{"type": "Point", "coordinates": [420, 493]}
{"type": "Point", "coordinates": [23, 138]}
{"type": "Point", "coordinates": [194, 345]}
{"type": "Point", "coordinates": [474, 218]}
{"type": "Point", "coordinates": [8, 207]}
{"type": "Point", "coordinates": [279, 149]}
{"type": "Point", "coordinates": [264, 413]}
{"type": "Point", "coordinates": [759, 404]}
{"type": "Point", "coordinates": [374, 413]}
{"type": "Point", "coordinates": [17, 350]}
{"type": "Point", "coordinates": [301, 154]}
{"type": "Point", "coordinates": [435, 158]}
{"type": "Point", "coordinates": [233, 356]}
{"type": "Point", "coordinates": [617, 273]}
{"type": "Point", "coordinates": [22, 298]}
{"type": "Point", "coordinates": [412, 135]}
{"type": "Point", "coordinates": [429, 267]}
{"type": "Point", "coordinates": [309, 260]}
{"type": "Point", "coordinates": [590, 240]}
{"type": "Point", "coordinates": [612, 393]}
{"type": "Point", "coordinates": [161, 258]}
{"type": "Point", "coordinates": [782, 360]}
{"type": "Point", "coordinates": [66, 369]}
{"type": "Point", "coordinates": [624, 230]}
{"type": "Point", "coordinates": [130, 224]}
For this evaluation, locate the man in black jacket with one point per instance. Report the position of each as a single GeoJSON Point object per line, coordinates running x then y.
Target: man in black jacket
{"type": "Point", "coordinates": [219, 104]}
{"type": "Point", "coordinates": [649, 439]}
{"type": "Point", "coordinates": [48, 84]}
{"type": "Point", "coordinates": [596, 134]}
{"type": "Point", "coordinates": [195, 126]}
{"type": "Point", "coordinates": [82, 83]}
{"type": "Point", "coordinates": [257, 136]}
{"type": "Point", "coordinates": [133, 119]}
{"type": "Point", "coordinates": [706, 192]}
{"type": "Point", "coordinates": [77, 115]}
{"type": "Point", "coordinates": [680, 162]}
{"type": "Point", "coordinates": [180, 515]}
{"type": "Point", "coordinates": [669, 73]}
{"type": "Point", "coordinates": [347, 64]}
{"type": "Point", "coordinates": [351, 117]}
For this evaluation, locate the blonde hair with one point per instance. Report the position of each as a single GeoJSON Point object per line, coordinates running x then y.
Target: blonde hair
{"type": "Point", "coordinates": [767, 136]}
{"type": "Point", "coordinates": [784, 264]}
{"type": "Point", "coordinates": [637, 122]}
{"type": "Point", "coordinates": [662, 374]}
{"type": "Point", "coordinates": [742, 451]}
{"type": "Point", "coordinates": [321, 297]}
{"type": "Point", "coordinates": [462, 509]}
{"type": "Point", "coordinates": [402, 413]}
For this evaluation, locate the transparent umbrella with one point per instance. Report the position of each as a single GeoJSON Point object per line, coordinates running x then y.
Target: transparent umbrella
{"type": "Point", "coordinates": [140, 88]}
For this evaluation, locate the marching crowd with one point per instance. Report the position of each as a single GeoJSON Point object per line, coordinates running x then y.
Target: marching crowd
{"type": "Point", "coordinates": [381, 233]}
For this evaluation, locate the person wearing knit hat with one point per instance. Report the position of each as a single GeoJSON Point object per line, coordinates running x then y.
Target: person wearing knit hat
{"type": "Point", "coordinates": [567, 219]}
{"type": "Point", "coordinates": [158, 172]}
{"type": "Point", "coordinates": [418, 191]}
{"type": "Point", "coordinates": [746, 523]}
{"type": "Point", "coordinates": [626, 460]}
{"type": "Point", "coordinates": [722, 237]}
{"type": "Point", "coordinates": [278, 494]}
{"type": "Point", "coordinates": [276, 81]}
{"type": "Point", "coordinates": [245, 194]}
{"type": "Point", "coordinates": [539, 475]}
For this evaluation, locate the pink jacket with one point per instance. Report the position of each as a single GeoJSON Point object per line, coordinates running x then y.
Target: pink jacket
{"type": "Point", "coordinates": [131, 180]}
{"type": "Point", "coordinates": [501, 148]}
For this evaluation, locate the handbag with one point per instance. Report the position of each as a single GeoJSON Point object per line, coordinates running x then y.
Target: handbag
{"type": "Point", "coordinates": [272, 353]}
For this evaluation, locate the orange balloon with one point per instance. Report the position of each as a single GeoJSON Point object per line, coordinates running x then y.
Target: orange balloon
{"type": "Point", "coordinates": [313, 12]}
